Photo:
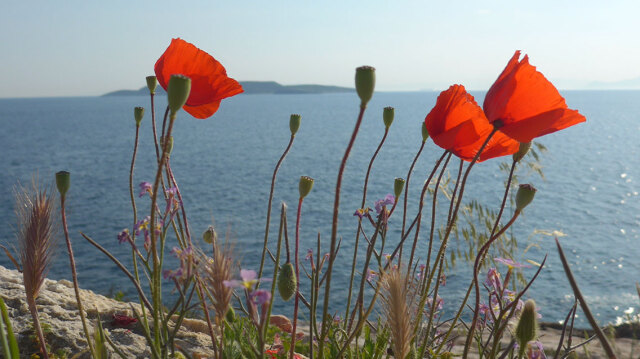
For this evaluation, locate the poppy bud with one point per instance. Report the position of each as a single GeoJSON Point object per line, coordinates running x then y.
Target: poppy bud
{"type": "Point", "coordinates": [398, 186]}
{"type": "Point", "coordinates": [528, 324]}
{"type": "Point", "coordinates": [138, 114]}
{"type": "Point", "coordinates": [152, 83]}
{"type": "Point", "coordinates": [178, 92]}
{"type": "Point", "coordinates": [525, 195]}
{"type": "Point", "coordinates": [169, 145]}
{"type": "Point", "coordinates": [294, 123]}
{"type": "Point", "coordinates": [524, 148]}
{"type": "Point", "coordinates": [287, 282]}
{"type": "Point", "coordinates": [230, 317]}
{"type": "Point", "coordinates": [365, 83]}
{"type": "Point", "coordinates": [387, 116]}
{"type": "Point", "coordinates": [425, 132]}
{"type": "Point", "coordinates": [63, 182]}
{"type": "Point", "coordinates": [210, 236]}
{"type": "Point", "coordinates": [305, 186]}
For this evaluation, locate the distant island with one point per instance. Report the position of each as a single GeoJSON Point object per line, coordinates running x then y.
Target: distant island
{"type": "Point", "coordinates": [254, 87]}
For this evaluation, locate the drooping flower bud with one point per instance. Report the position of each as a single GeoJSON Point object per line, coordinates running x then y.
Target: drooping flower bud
{"type": "Point", "coordinates": [524, 148]}
{"type": "Point", "coordinates": [138, 114]}
{"type": "Point", "coordinates": [169, 145]}
{"type": "Point", "coordinates": [287, 282]}
{"type": "Point", "coordinates": [525, 195]}
{"type": "Point", "coordinates": [528, 324]}
{"type": "Point", "coordinates": [425, 132]}
{"type": "Point", "coordinates": [210, 236]}
{"type": "Point", "coordinates": [387, 116]}
{"type": "Point", "coordinates": [152, 83]}
{"type": "Point", "coordinates": [365, 83]}
{"type": "Point", "coordinates": [305, 186]}
{"type": "Point", "coordinates": [398, 186]}
{"type": "Point", "coordinates": [294, 123]}
{"type": "Point", "coordinates": [63, 182]}
{"type": "Point", "coordinates": [178, 92]}
{"type": "Point", "coordinates": [230, 317]}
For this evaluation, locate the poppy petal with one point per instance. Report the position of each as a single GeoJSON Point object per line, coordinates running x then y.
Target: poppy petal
{"type": "Point", "coordinates": [202, 111]}
{"type": "Point", "coordinates": [526, 102]}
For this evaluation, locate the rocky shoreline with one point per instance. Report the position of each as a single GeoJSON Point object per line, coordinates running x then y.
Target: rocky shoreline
{"type": "Point", "coordinates": [57, 308]}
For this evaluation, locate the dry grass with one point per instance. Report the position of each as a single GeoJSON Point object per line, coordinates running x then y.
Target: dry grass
{"type": "Point", "coordinates": [217, 269]}
{"type": "Point", "coordinates": [398, 311]}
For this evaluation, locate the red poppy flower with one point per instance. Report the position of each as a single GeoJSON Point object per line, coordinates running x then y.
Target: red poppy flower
{"type": "Point", "coordinates": [526, 103]}
{"type": "Point", "coordinates": [209, 81]}
{"type": "Point", "coordinates": [456, 123]}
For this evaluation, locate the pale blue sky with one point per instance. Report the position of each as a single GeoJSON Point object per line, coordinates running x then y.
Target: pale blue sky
{"type": "Point", "coordinates": [80, 48]}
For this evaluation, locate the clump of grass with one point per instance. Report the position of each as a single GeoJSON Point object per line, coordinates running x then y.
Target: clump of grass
{"type": "Point", "coordinates": [37, 238]}
{"type": "Point", "coordinates": [216, 270]}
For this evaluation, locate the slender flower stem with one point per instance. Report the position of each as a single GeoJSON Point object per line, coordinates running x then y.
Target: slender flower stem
{"type": "Point", "coordinates": [583, 304]}
{"type": "Point", "coordinates": [476, 269]}
{"type": "Point", "coordinates": [455, 190]}
{"type": "Point", "coordinates": [364, 201]}
{"type": "Point", "coordinates": [283, 222]}
{"type": "Point", "coordinates": [74, 276]}
{"type": "Point", "coordinates": [266, 227]}
{"type": "Point", "coordinates": [31, 302]}
{"type": "Point", "coordinates": [296, 302]}
{"type": "Point", "coordinates": [184, 213]}
{"type": "Point", "coordinates": [153, 127]}
{"type": "Point", "coordinates": [422, 195]}
{"type": "Point", "coordinates": [406, 197]}
{"type": "Point", "coordinates": [334, 232]}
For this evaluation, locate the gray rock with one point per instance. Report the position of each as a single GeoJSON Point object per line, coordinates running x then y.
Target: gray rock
{"type": "Point", "coordinates": [57, 308]}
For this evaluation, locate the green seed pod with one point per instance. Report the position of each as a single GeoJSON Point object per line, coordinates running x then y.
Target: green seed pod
{"type": "Point", "coordinates": [63, 182]}
{"type": "Point", "coordinates": [524, 148]}
{"type": "Point", "coordinates": [305, 186]}
{"type": "Point", "coordinates": [525, 195]}
{"type": "Point", "coordinates": [425, 133]}
{"type": "Point", "coordinates": [528, 324]}
{"type": "Point", "coordinates": [152, 83]}
{"type": "Point", "coordinates": [210, 236]}
{"type": "Point", "coordinates": [398, 186]}
{"type": "Point", "coordinates": [365, 83]}
{"type": "Point", "coordinates": [287, 283]}
{"type": "Point", "coordinates": [230, 317]}
{"type": "Point", "coordinates": [294, 123]}
{"type": "Point", "coordinates": [178, 92]}
{"type": "Point", "coordinates": [138, 114]}
{"type": "Point", "coordinates": [387, 116]}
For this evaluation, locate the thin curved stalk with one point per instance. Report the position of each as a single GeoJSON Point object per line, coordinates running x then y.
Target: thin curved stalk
{"type": "Point", "coordinates": [406, 197]}
{"type": "Point", "coordinates": [266, 227]}
{"type": "Point", "coordinates": [334, 230]}
{"type": "Point", "coordinates": [364, 201]}
{"type": "Point", "coordinates": [297, 298]}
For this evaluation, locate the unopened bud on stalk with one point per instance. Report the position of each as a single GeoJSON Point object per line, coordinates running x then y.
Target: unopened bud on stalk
{"type": "Point", "coordinates": [528, 324]}
{"type": "Point", "coordinates": [294, 123]}
{"type": "Point", "coordinates": [169, 145]}
{"type": "Point", "coordinates": [63, 182]}
{"type": "Point", "coordinates": [365, 83]}
{"type": "Point", "coordinates": [210, 236]}
{"type": "Point", "coordinates": [305, 186]}
{"type": "Point", "coordinates": [387, 116]}
{"type": "Point", "coordinates": [152, 83]}
{"type": "Point", "coordinates": [230, 317]}
{"type": "Point", "coordinates": [425, 133]}
{"type": "Point", "coordinates": [524, 148]}
{"type": "Point", "coordinates": [178, 92]}
{"type": "Point", "coordinates": [398, 186]}
{"type": "Point", "coordinates": [287, 282]}
{"type": "Point", "coordinates": [525, 195]}
{"type": "Point", "coordinates": [138, 114]}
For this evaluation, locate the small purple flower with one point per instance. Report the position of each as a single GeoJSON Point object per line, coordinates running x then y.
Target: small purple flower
{"type": "Point", "coordinates": [511, 263]}
{"type": "Point", "coordinates": [309, 255]}
{"type": "Point", "coordinates": [362, 212]}
{"type": "Point", "coordinates": [388, 200]}
{"type": "Point", "coordinates": [142, 224]}
{"type": "Point", "coordinates": [249, 279]}
{"type": "Point", "coordinates": [535, 350]}
{"type": "Point", "coordinates": [171, 274]}
{"type": "Point", "coordinates": [145, 187]}
{"type": "Point", "coordinates": [124, 236]}
{"type": "Point", "coordinates": [172, 202]}
{"type": "Point", "coordinates": [371, 275]}
{"type": "Point", "coordinates": [439, 303]}
{"type": "Point", "coordinates": [260, 296]}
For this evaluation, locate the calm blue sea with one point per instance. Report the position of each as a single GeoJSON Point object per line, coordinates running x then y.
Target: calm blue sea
{"type": "Point", "coordinates": [224, 165]}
